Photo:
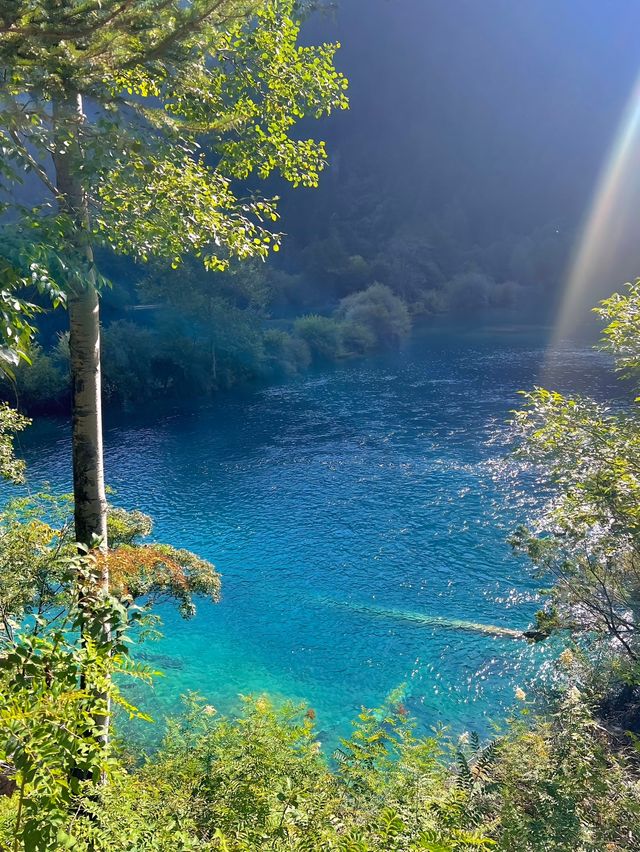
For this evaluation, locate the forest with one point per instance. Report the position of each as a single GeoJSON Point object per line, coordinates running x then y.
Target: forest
{"type": "Point", "coordinates": [320, 518]}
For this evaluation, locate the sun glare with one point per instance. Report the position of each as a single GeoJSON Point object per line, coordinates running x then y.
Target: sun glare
{"type": "Point", "coordinates": [607, 251]}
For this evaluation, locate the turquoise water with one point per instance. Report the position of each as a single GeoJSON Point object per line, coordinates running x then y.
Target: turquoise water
{"type": "Point", "coordinates": [339, 508]}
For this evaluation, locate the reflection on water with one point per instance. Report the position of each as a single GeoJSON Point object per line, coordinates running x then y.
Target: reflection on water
{"type": "Point", "coordinates": [380, 485]}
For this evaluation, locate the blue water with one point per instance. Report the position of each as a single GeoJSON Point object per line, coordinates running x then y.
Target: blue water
{"type": "Point", "coordinates": [376, 485]}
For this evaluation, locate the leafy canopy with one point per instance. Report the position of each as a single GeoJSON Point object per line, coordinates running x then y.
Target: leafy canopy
{"type": "Point", "coordinates": [588, 537]}
{"type": "Point", "coordinates": [183, 104]}
{"type": "Point", "coordinates": [37, 590]}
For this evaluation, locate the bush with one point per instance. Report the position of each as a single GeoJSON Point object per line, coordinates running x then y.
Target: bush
{"type": "Point", "coordinates": [357, 339]}
{"type": "Point", "coordinates": [127, 351]}
{"type": "Point", "coordinates": [285, 355]}
{"type": "Point", "coordinates": [378, 310]}
{"type": "Point", "coordinates": [470, 291]}
{"type": "Point", "coordinates": [261, 781]}
{"type": "Point", "coordinates": [561, 787]}
{"type": "Point", "coordinates": [321, 334]}
{"type": "Point", "coordinates": [42, 385]}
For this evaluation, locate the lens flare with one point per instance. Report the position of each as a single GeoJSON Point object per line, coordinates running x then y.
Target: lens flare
{"type": "Point", "coordinates": [608, 251]}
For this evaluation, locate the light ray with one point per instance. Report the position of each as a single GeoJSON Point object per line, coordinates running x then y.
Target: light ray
{"type": "Point", "coordinates": [608, 251]}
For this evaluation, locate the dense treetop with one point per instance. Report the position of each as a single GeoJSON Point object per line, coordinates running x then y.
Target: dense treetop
{"type": "Point", "coordinates": [158, 80]}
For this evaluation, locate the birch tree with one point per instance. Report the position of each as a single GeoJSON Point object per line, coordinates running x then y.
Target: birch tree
{"type": "Point", "coordinates": [144, 122]}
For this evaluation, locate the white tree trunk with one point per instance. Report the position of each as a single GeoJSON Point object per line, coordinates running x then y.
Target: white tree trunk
{"type": "Point", "coordinates": [84, 341]}
{"type": "Point", "coordinates": [90, 503]}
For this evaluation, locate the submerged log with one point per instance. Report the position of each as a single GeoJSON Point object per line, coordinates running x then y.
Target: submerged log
{"type": "Point", "coordinates": [434, 620]}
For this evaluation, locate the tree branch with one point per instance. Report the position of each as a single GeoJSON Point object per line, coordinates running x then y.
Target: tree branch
{"type": "Point", "coordinates": [35, 165]}
{"type": "Point", "coordinates": [188, 27]}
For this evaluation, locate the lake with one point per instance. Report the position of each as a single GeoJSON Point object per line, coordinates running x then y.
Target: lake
{"type": "Point", "coordinates": [357, 515]}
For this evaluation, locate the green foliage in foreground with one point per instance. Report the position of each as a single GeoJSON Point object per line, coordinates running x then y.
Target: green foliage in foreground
{"type": "Point", "coordinates": [262, 782]}
{"type": "Point", "coordinates": [60, 668]}
{"type": "Point", "coordinates": [588, 536]}
{"type": "Point", "coordinates": [37, 546]}
{"type": "Point", "coordinates": [11, 422]}
{"type": "Point", "coordinates": [55, 691]}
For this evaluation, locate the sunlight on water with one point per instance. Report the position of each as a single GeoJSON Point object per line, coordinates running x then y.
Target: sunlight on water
{"type": "Point", "coordinates": [359, 518]}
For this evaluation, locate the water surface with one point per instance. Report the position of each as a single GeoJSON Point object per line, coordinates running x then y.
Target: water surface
{"type": "Point", "coordinates": [332, 504]}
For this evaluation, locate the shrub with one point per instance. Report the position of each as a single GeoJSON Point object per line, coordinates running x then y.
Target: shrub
{"type": "Point", "coordinates": [470, 291]}
{"type": "Point", "coordinates": [561, 787]}
{"type": "Point", "coordinates": [127, 351]}
{"type": "Point", "coordinates": [357, 339]}
{"type": "Point", "coordinates": [285, 354]}
{"type": "Point", "coordinates": [378, 310]}
{"type": "Point", "coordinates": [551, 783]}
{"type": "Point", "coordinates": [44, 384]}
{"type": "Point", "coordinates": [321, 334]}
{"type": "Point", "coordinates": [262, 782]}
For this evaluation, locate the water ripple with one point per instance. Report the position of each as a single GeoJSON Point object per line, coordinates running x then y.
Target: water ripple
{"type": "Point", "coordinates": [377, 484]}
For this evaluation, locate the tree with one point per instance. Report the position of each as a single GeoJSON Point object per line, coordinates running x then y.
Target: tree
{"type": "Point", "coordinates": [220, 318]}
{"type": "Point", "coordinates": [379, 311]}
{"type": "Point", "coordinates": [11, 422]}
{"type": "Point", "coordinates": [588, 536]}
{"type": "Point", "coordinates": [321, 334]}
{"type": "Point", "coordinates": [105, 104]}
{"type": "Point", "coordinates": [37, 546]}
